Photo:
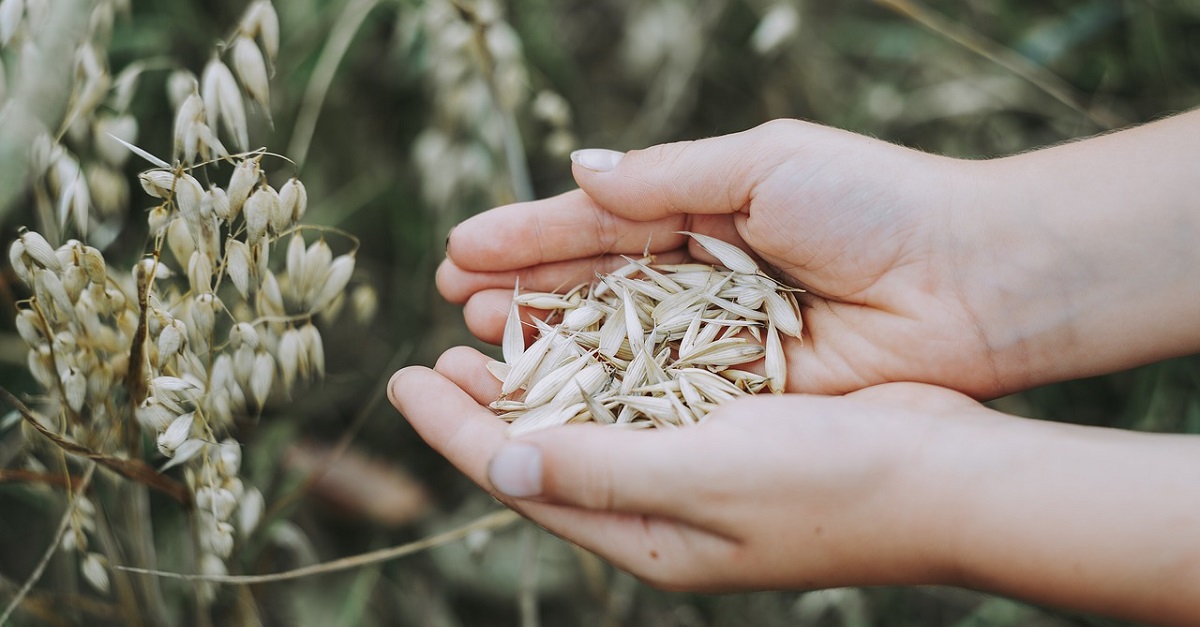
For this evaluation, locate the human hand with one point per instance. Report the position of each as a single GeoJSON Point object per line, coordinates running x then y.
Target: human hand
{"type": "Point", "coordinates": [869, 228]}
{"type": "Point", "coordinates": [895, 484]}
{"type": "Point", "coordinates": [769, 492]}
{"type": "Point", "coordinates": [983, 276]}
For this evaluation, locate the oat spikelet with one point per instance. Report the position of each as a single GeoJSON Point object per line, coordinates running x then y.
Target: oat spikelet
{"type": "Point", "coordinates": [729, 255]}
{"type": "Point", "coordinates": [224, 102]}
{"type": "Point", "coordinates": [513, 343]}
{"type": "Point", "coordinates": [250, 67]}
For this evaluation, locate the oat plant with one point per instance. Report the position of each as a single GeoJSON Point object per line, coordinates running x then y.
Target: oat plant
{"type": "Point", "coordinates": [147, 370]}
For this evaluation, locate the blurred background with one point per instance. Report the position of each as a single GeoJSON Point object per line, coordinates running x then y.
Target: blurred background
{"type": "Point", "coordinates": [406, 117]}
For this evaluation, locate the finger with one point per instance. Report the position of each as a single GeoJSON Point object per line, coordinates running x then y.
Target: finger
{"type": "Point", "coordinates": [581, 465]}
{"type": "Point", "coordinates": [467, 368]}
{"type": "Point", "coordinates": [487, 312]}
{"type": "Point", "coordinates": [471, 437]}
{"type": "Point", "coordinates": [707, 176]}
{"type": "Point", "coordinates": [448, 419]}
{"type": "Point", "coordinates": [457, 284]}
{"type": "Point", "coordinates": [606, 469]}
{"type": "Point", "coordinates": [565, 227]}
{"type": "Point", "coordinates": [468, 435]}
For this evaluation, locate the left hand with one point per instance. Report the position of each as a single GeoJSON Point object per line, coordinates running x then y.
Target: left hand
{"type": "Point", "coordinates": [901, 483]}
{"type": "Point", "coordinates": [769, 492]}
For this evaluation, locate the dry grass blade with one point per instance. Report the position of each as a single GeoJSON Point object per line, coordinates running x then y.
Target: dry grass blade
{"type": "Point", "coordinates": [783, 313]}
{"type": "Point", "coordinates": [548, 387]}
{"type": "Point", "coordinates": [526, 364]}
{"type": "Point", "coordinates": [726, 352]}
{"type": "Point", "coordinates": [549, 415]}
{"type": "Point", "coordinates": [776, 364]}
{"type": "Point", "coordinates": [499, 369]}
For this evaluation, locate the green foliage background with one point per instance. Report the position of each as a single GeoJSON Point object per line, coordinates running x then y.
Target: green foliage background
{"type": "Point", "coordinates": [864, 66]}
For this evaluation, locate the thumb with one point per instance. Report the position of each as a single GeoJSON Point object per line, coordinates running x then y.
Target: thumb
{"type": "Point", "coordinates": [707, 176]}
{"type": "Point", "coordinates": [593, 468]}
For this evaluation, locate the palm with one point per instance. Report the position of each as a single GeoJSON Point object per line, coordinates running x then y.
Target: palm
{"type": "Point", "coordinates": [883, 302]}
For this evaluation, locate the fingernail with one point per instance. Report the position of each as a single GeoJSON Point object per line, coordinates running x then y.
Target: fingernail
{"type": "Point", "coordinates": [597, 159]}
{"type": "Point", "coordinates": [516, 470]}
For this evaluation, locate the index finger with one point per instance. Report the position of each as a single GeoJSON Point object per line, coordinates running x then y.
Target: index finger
{"type": "Point", "coordinates": [564, 227]}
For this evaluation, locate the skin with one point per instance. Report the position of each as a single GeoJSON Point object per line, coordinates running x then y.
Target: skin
{"type": "Point", "coordinates": [982, 277]}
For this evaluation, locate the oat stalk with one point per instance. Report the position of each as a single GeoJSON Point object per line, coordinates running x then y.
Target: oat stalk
{"type": "Point", "coordinates": [132, 469]}
{"type": "Point", "coordinates": [495, 520]}
{"type": "Point", "coordinates": [63, 524]}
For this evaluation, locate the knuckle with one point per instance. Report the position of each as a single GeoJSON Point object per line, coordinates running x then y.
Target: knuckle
{"type": "Point", "coordinates": [778, 126]}
{"type": "Point", "coordinates": [660, 155]}
{"type": "Point", "coordinates": [598, 489]}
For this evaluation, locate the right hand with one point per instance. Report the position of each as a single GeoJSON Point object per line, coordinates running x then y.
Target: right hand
{"type": "Point", "coordinates": [873, 231]}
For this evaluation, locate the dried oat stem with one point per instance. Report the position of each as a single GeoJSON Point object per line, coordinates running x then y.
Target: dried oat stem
{"type": "Point", "coordinates": [1014, 62]}
{"type": "Point", "coordinates": [514, 147]}
{"type": "Point", "coordinates": [40, 568]}
{"type": "Point", "coordinates": [134, 469]}
{"type": "Point", "coordinates": [494, 520]}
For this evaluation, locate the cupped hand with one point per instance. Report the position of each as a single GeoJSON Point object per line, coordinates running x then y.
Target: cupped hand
{"type": "Point", "coordinates": [873, 231]}
{"type": "Point", "coordinates": [786, 491]}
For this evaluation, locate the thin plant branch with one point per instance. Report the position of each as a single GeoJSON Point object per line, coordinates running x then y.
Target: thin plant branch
{"type": "Point", "coordinates": [514, 148]}
{"type": "Point", "coordinates": [16, 475]}
{"type": "Point", "coordinates": [527, 595]}
{"type": "Point", "coordinates": [34, 576]}
{"type": "Point", "coordinates": [494, 520]}
{"type": "Point", "coordinates": [1006, 58]}
{"type": "Point", "coordinates": [132, 469]}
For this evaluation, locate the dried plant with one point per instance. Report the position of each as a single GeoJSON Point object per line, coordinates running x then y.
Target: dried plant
{"type": "Point", "coordinates": [475, 68]}
{"type": "Point", "coordinates": [406, 159]}
{"type": "Point", "coordinates": [648, 345]}
{"type": "Point", "coordinates": [207, 328]}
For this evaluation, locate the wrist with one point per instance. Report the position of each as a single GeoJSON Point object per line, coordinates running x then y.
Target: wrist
{"type": "Point", "coordinates": [1078, 259]}
{"type": "Point", "coordinates": [916, 509]}
{"type": "Point", "coordinates": [1012, 273]}
{"type": "Point", "coordinates": [941, 486]}
{"type": "Point", "coordinates": [1083, 517]}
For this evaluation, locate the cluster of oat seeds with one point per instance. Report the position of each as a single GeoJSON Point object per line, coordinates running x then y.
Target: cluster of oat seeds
{"type": "Point", "coordinates": [648, 345]}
